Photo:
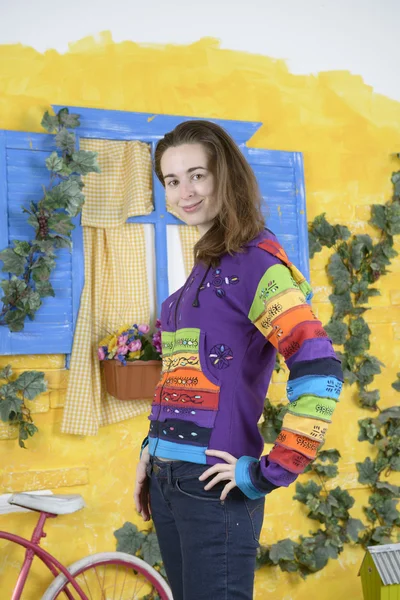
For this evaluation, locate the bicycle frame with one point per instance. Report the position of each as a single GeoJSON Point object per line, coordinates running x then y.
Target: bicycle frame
{"type": "Point", "coordinates": [33, 549]}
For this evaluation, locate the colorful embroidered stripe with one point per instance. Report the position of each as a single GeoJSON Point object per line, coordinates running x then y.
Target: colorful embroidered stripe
{"type": "Point", "coordinates": [275, 280]}
{"type": "Point", "coordinates": [312, 406]}
{"type": "Point", "coordinates": [182, 340]}
{"type": "Point", "coordinates": [279, 304]}
{"type": "Point", "coordinates": [320, 385]}
{"type": "Point", "coordinates": [187, 378]}
{"type": "Point", "coordinates": [300, 443]}
{"type": "Point", "coordinates": [283, 325]}
{"type": "Point", "coordinates": [313, 428]}
{"type": "Point", "coordinates": [181, 360]}
{"type": "Point", "coordinates": [174, 451]}
{"type": "Point", "coordinates": [301, 333]}
{"type": "Point", "coordinates": [173, 396]}
{"type": "Point", "coordinates": [289, 459]}
{"type": "Point", "coordinates": [204, 418]}
{"type": "Point", "coordinates": [180, 432]}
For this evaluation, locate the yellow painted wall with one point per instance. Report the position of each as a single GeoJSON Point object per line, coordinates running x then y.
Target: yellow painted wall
{"type": "Point", "coordinates": [346, 133]}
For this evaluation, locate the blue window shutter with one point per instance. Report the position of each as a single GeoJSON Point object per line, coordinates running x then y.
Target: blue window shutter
{"type": "Point", "coordinates": [281, 181]}
{"type": "Point", "coordinates": [22, 174]}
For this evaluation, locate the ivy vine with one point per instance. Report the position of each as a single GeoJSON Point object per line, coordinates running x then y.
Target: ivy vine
{"type": "Point", "coordinates": [30, 264]}
{"type": "Point", "coordinates": [14, 393]}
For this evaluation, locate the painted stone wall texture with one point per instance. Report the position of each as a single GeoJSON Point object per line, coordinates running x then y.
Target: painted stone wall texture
{"type": "Point", "coordinates": [347, 134]}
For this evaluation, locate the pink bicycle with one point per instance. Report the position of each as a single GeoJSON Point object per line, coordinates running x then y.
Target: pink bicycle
{"type": "Point", "coordinates": [102, 576]}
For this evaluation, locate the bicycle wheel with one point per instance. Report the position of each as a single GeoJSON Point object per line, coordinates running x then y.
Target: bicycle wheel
{"type": "Point", "coordinates": [111, 576]}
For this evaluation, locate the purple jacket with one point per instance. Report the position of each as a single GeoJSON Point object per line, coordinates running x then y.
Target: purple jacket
{"type": "Point", "coordinates": [220, 335]}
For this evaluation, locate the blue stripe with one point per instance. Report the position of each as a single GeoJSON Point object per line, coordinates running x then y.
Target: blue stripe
{"type": "Point", "coordinates": [174, 451]}
{"type": "Point", "coordinates": [243, 480]}
{"type": "Point", "coordinates": [322, 386]}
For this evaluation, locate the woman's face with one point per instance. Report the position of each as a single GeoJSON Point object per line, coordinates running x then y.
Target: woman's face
{"type": "Point", "coordinates": [190, 185]}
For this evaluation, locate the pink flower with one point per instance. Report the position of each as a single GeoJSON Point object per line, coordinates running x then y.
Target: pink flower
{"type": "Point", "coordinates": [122, 340]}
{"type": "Point", "coordinates": [122, 349]}
{"type": "Point", "coordinates": [135, 345]}
{"type": "Point", "coordinates": [144, 328]}
{"type": "Point", "coordinates": [100, 353]}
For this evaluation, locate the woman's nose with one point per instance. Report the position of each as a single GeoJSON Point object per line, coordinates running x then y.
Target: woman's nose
{"type": "Point", "coordinates": [186, 191]}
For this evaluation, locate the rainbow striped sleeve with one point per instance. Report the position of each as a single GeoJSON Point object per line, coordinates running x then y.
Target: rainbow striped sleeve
{"type": "Point", "coordinates": [281, 312]}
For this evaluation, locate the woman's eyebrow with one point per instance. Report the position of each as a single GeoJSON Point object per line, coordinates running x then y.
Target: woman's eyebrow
{"type": "Point", "coordinates": [188, 171]}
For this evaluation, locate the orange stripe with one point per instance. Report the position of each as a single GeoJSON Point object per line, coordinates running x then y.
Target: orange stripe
{"type": "Point", "coordinates": [189, 379]}
{"type": "Point", "coordinates": [283, 325]}
{"type": "Point", "coordinates": [300, 443]}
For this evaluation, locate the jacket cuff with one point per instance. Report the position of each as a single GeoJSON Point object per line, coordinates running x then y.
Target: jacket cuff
{"type": "Point", "coordinates": [243, 479]}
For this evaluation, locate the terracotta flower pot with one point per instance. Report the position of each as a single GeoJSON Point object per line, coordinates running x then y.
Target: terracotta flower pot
{"type": "Point", "coordinates": [134, 381]}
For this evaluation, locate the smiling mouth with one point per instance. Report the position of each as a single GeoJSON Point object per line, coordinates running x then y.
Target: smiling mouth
{"type": "Point", "coordinates": [192, 207]}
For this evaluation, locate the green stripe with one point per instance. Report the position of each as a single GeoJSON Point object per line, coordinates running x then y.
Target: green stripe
{"type": "Point", "coordinates": [312, 406]}
{"type": "Point", "coordinates": [183, 340]}
{"type": "Point", "coordinates": [275, 280]}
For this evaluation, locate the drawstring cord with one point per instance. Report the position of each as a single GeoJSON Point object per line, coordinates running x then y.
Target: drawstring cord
{"type": "Point", "coordinates": [196, 302]}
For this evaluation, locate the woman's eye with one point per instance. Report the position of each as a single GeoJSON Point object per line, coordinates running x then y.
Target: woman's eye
{"type": "Point", "coordinates": [173, 183]}
{"type": "Point", "coordinates": [198, 176]}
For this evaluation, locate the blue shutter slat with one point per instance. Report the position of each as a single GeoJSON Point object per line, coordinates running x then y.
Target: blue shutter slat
{"type": "Point", "coordinates": [22, 159]}
{"type": "Point", "coordinates": [281, 181]}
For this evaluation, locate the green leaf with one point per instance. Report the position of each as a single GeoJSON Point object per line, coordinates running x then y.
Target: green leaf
{"type": "Point", "coordinates": [389, 413]}
{"type": "Point", "coordinates": [368, 368]}
{"type": "Point", "coordinates": [361, 246]}
{"type": "Point", "coordinates": [129, 538]}
{"type": "Point", "coordinates": [356, 346]}
{"type": "Point", "coordinates": [9, 406]}
{"type": "Point", "coordinates": [378, 216]}
{"type": "Point", "coordinates": [49, 123]}
{"type": "Point", "coordinates": [283, 550]}
{"type": "Point", "coordinates": [353, 528]}
{"type": "Point", "coordinates": [66, 195]}
{"type": "Point", "coordinates": [31, 302]}
{"type": "Point", "coordinates": [396, 384]}
{"type": "Point", "coordinates": [342, 305]}
{"type": "Point", "coordinates": [44, 288]}
{"type": "Point", "coordinates": [65, 141]}
{"type": "Point", "coordinates": [61, 223]}
{"type": "Point", "coordinates": [15, 319]}
{"type": "Point", "coordinates": [369, 431]}
{"type": "Point", "coordinates": [6, 373]}
{"type": "Point", "coordinates": [306, 491]}
{"type": "Point", "coordinates": [328, 471]}
{"type": "Point", "coordinates": [323, 231]}
{"type": "Point", "coordinates": [314, 245]}
{"type": "Point", "coordinates": [343, 497]}
{"type": "Point", "coordinates": [339, 273]}
{"type": "Point", "coordinates": [22, 248]}
{"type": "Point", "coordinates": [388, 488]}
{"type": "Point", "coordinates": [367, 472]}
{"type": "Point", "coordinates": [13, 288]}
{"type": "Point", "coordinates": [68, 119]}
{"type": "Point", "coordinates": [84, 162]}
{"type": "Point", "coordinates": [31, 384]}
{"type": "Point", "coordinates": [369, 399]}
{"type": "Point", "coordinates": [381, 535]}
{"type": "Point", "coordinates": [32, 220]}
{"type": "Point", "coordinates": [342, 232]}
{"type": "Point", "coordinates": [12, 262]}
{"type": "Point", "coordinates": [41, 269]}
{"type": "Point", "coordinates": [61, 242]}
{"type": "Point", "coordinates": [393, 218]}
{"type": "Point", "coordinates": [332, 455]}
{"type": "Point", "coordinates": [337, 331]}
{"type": "Point", "coordinates": [151, 550]}
{"type": "Point", "coordinates": [54, 163]}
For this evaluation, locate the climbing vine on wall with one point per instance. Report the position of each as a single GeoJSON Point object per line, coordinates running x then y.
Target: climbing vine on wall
{"type": "Point", "coordinates": [30, 264]}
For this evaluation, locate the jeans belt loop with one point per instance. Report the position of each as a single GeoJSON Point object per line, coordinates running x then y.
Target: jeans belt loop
{"type": "Point", "coordinates": [169, 473]}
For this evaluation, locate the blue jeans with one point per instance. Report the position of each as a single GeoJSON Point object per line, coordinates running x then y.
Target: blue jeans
{"type": "Point", "coordinates": [208, 547]}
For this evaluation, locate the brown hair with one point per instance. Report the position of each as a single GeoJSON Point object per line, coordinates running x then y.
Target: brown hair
{"type": "Point", "coordinates": [239, 218]}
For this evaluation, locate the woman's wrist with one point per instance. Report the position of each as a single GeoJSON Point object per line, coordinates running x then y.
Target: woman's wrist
{"type": "Point", "coordinates": [145, 455]}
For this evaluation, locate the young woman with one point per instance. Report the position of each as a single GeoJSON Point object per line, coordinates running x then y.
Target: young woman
{"type": "Point", "coordinates": [200, 476]}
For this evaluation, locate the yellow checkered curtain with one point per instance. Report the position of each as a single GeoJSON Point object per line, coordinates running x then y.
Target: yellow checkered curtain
{"type": "Point", "coordinates": [116, 287]}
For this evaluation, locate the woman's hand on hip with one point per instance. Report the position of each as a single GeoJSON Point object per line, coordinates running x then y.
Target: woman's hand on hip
{"type": "Point", "coordinates": [222, 471]}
